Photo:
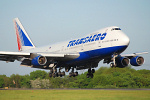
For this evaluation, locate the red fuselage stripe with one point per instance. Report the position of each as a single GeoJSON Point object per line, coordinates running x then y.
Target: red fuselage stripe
{"type": "Point", "coordinates": [18, 38]}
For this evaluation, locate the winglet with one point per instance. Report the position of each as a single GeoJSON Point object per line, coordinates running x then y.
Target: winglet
{"type": "Point", "coordinates": [23, 39]}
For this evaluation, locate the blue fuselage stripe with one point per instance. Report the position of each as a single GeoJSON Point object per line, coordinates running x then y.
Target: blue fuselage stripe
{"type": "Point", "coordinates": [98, 53]}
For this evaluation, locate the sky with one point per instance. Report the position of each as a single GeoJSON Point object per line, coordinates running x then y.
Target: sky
{"type": "Point", "coordinates": [51, 21]}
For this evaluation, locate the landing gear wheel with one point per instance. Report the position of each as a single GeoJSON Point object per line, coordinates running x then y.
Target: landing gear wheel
{"type": "Point", "coordinates": [112, 65]}
{"type": "Point", "coordinates": [93, 70]}
{"type": "Point", "coordinates": [59, 73]}
{"type": "Point", "coordinates": [63, 73]}
{"type": "Point", "coordinates": [73, 74]}
{"type": "Point", "coordinates": [54, 75]}
{"type": "Point", "coordinates": [89, 75]}
{"type": "Point", "coordinates": [70, 74]}
{"type": "Point", "coordinates": [76, 73]}
{"type": "Point", "coordinates": [50, 74]}
{"type": "Point", "coordinates": [89, 70]}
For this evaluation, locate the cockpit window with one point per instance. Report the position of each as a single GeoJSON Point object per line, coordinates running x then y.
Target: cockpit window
{"type": "Point", "coordinates": [115, 29]}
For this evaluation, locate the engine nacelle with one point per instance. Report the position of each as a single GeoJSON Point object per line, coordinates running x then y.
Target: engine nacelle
{"type": "Point", "coordinates": [137, 61]}
{"type": "Point", "coordinates": [39, 61]}
{"type": "Point", "coordinates": [122, 62]}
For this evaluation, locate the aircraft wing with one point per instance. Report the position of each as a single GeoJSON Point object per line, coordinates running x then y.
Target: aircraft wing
{"type": "Point", "coordinates": [133, 55]}
{"type": "Point", "coordinates": [108, 60]}
{"type": "Point", "coordinates": [12, 56]}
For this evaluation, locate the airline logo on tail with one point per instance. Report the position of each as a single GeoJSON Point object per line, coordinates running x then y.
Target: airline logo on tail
{"type": "Point", "coordinates": [23, 40]}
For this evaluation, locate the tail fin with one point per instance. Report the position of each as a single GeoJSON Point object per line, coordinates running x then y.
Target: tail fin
{"type": "Point", "coordinates": [23, 40]}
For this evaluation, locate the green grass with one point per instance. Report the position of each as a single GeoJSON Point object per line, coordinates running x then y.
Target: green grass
{"type": "Point", "coordinates": [74, 94]}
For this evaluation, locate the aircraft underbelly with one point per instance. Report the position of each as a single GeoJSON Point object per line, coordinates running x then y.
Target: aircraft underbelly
{"type": "Point", "coordinates": [98, 54]}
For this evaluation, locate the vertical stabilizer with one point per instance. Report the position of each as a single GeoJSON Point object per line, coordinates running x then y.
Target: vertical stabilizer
{"type": "Point", "coordinates": [23, 39]}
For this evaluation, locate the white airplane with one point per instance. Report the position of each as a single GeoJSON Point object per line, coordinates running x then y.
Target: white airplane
{"type": "Point", "coordinates": [82, 53]}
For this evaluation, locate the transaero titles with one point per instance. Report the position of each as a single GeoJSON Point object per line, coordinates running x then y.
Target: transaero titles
{"type": "Point", "coordinates": [87, 39]}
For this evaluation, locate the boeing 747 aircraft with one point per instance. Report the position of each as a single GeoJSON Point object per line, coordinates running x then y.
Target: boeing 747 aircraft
{"type": "Point", "coordinates": [106, 44]}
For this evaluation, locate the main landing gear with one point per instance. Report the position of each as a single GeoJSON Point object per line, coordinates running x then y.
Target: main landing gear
{"type": "Point", "coordinates": [72, 73]}
{"type": "Point", "coordinates": [90, 73]}
{"type": "Point", "coordinates": [54, 73]}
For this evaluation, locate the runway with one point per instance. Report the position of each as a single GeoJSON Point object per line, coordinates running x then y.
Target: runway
{"type": "Point", "coordinates": [69, 89]}
{"type": "Point", "coordinates": [75, 94]}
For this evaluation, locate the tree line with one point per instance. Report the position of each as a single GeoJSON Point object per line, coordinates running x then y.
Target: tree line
{"type": "Point", "coordinates": [103, 78]}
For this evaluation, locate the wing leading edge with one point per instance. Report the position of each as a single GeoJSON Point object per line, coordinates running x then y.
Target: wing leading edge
{"type": "Point", "coordinates": [12, 56]}
{"type": "Point", "coordinates": [133, 55]}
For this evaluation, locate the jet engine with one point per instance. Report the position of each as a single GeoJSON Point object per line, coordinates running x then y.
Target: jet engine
{"type": "Point", "coordinates": [137, 61]}
{"type": "Point", "coordinates": [122, 62]}
{"type": "Point", "coordinates": [39, 61]}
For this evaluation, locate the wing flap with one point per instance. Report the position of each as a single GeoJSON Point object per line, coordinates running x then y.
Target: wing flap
{"type": "Point", "coordinates": [58, 55]}
{"type": "Point", "coordinates": [7, 58]}
{"type": "Point", "coordinates": [51, 55]}
{"type": "Point", "coordinates": [12, 56]}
